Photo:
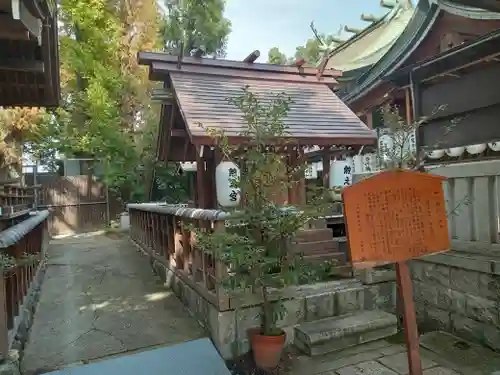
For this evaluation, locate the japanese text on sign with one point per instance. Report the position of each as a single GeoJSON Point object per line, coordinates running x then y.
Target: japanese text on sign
{"type": "Point", "coordinates": [395, 216]}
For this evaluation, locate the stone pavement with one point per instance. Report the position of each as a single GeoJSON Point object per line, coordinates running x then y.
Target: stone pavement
{"type": "Point", "coordinates": [443, 357]}
{"type": "Point", "coordinates": [99, 299]}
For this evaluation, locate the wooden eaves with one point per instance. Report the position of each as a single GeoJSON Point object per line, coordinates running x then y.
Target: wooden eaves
{"type": "Point", "coordinates": [29, 58]}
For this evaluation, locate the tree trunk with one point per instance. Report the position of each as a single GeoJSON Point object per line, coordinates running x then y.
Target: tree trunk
{"type": "Point", "coordinates": [267, 313]}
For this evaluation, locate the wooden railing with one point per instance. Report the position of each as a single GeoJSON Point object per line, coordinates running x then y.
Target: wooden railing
{"type": "Point", "coordinates": [15, 200]}
{"type": "Point", "coordinates": [163, 231]}
{"type": "Point", "coordinates": [472, 193]}
{"type": "Point", "coordinates": [22, 249]}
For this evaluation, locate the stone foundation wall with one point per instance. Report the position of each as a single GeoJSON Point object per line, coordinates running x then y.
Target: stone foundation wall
{"type": "Point", "coordinates": [228, 329]}
{"type": "Point", "coordinates": [460, 295]}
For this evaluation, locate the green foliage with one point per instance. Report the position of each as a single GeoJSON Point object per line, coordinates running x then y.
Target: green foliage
{"type": "Point", "coordinates": [275, 56]}
{"type": "Point", "coordinates": [193, 24]}
{"type": "Point", "coordinates": [106, 112]}
{"type": "Point", "coordinates": [311, 52]}
{"type": "Point", "coordinates": [257, 244]}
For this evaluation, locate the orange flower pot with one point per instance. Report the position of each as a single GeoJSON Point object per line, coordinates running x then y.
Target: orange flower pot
{"type": "Point", "coordinates": [267, 350]}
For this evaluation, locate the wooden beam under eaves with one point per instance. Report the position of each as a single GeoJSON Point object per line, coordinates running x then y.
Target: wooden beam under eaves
{"type": "Point", "coordinates": [162, 95]}
{"type": "Point", "coordinates": [18, 65]}
{"type": "Point", "coordinates": [170, 126]}
{"type": "Point", "coordinates": [12, 29]}
{"type": "Point", "coordinates": [182, 133]}
{"type": "Point", "coordinates": [31, 23]}
{"type": "Point", "coordinates": [490, 5]}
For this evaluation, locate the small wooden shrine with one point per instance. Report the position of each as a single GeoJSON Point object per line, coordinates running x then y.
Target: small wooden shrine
{"type": "Point", "coordinates": [195, 91]}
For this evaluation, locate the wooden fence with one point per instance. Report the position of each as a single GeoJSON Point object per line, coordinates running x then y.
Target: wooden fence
{"type": "Point", "coordinates": [77, 203]}
{"type": "Point", "coordinates": [163, 232]}
{"type": "Point", "coordinates": [22, 249]}
{"type": "Point", "coordinates": [15, 204]}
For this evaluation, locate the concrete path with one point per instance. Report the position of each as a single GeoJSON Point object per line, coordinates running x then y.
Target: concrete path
{"type": "Point", "coordinates": [99, 298]}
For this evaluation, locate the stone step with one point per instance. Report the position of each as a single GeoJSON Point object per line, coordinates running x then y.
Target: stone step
{"type": "Point", "coordinates": [337, 257]}
{"type": "Point", "coordinates": [312, 235]}
{"type": "Point", "coordinates": [317, 247]}
{"type": "Point", "coordinates": [340, 332]}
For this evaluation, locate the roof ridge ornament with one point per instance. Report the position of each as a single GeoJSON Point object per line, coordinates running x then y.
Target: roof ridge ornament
{"type": "Point", "coordinates": [353, 30]}
{"type": "Point", "coordinates": [393, 4]}
{"type": "Point", "coordinates": [389, 4]}
{"type": "Point", "coordinates": [369, 17]}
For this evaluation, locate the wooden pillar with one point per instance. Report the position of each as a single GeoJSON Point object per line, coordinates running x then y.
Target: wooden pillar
{"type": "Point", "coordinates": [298, 193]}
{"type": "Point", "coordinates": [216, 160]}
{"type": "Point", "coordinates": [292, 189]}
{"type": "Point", "coordinates": [416, 113]}
{"type": "Point", "coordinates": [326, 169]}
{"type": "Point", "coordinates": [369, 118]}
{"type": "Point", "coordinates": [408, 106]}
{"type": "Point", "coordinates": [201, 200]}
{"type": "Point", "coordinates": [4, 329]}
{"type": "Point", "coordinates": [209, 181]}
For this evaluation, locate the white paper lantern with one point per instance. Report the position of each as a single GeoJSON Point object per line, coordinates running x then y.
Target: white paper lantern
{"type": "Point", "coordinates": [188, 166]}
{"type": "Point", "coordinates": [358, 163]}
{"type": "Point", "coordinates": [385, 146]}
{"type": "Point", "coordinates": [435, 154]}
{"type": "Point", "coordinates": [476, 149]}
{"type": "Point", "coordinates": [311, 172]}
{"type": "Point", "coordinates": [227, 196]}
{"type": "Point", "coordinates": [495, 146]}
{"type": "Point", "coordinates": [340, 175]}
{"type": "Point", "coordinates": [455, 151]}
{"type": "Point", "coordinates": [369, 163]}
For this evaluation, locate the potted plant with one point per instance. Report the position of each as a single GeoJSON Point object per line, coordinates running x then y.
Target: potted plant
{"type": "Point", "coordinates": [258, 240]}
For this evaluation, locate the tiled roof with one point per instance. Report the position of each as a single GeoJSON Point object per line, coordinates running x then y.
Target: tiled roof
{"type": "Point", "coordinates": [316, 113]}
{"type": "Point", "coordinates": [367, 47]}
{"type": "Point", "coordinates": [202, 87]}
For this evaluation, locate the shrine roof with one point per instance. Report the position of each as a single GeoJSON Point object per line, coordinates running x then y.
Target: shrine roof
{"type": "Point", "coordinates": [370, 44]}
{"type": "Point", "coordinates": [419, 26]}
{"type": "Point", "coordinates": [201, 88]}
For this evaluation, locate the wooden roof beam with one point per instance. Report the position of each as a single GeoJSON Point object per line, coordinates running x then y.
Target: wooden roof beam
{"type": "Point", "coordinates": [252, 56]}
{"type": "Point", "coordinates": [352, 30]}
{"type": "Point", "coordinates": [17, 65]}
{"type": "Point", "coordinates": [337, 40]}
{"type": "Point", "coordinates": [198, 52]}
{"type": "Point", "coordinates": [150, 58]}
{"type": "Point", "coordinates": [162, 95]}
{"type": "Point", "coordinates": [389, 4]}
{"type": "Point", "coordinates": [159, 70]}
{"type": "Point", "coordinates": [369, 18]}
{"type": "Point", "coordinates": [12, 29]}
{"type": "Point", "coordinates": [491, 5]}
{"type": "Point", "coordinates": [33, 24]}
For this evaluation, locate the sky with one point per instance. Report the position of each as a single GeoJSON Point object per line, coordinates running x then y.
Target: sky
{"type": "Point", "coordinates": [263, 24]}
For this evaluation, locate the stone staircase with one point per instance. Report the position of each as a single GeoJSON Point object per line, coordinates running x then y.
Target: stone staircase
{"type": "Point", "coordinates": [340, 332]}
{"type": "Point", "coordinates": [352, 313]}
{"type": "Point", "coordinates": [319, 245]}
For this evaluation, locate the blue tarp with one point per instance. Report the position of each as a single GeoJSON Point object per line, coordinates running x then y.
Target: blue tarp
{"type": "Point", "coordinates": [198, 357]}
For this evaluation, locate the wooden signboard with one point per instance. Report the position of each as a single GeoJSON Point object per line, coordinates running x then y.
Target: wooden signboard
{"type": "Point", "coordinates": [392, 217]}
{"type": "Point", "coordinates": [395, 216]}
